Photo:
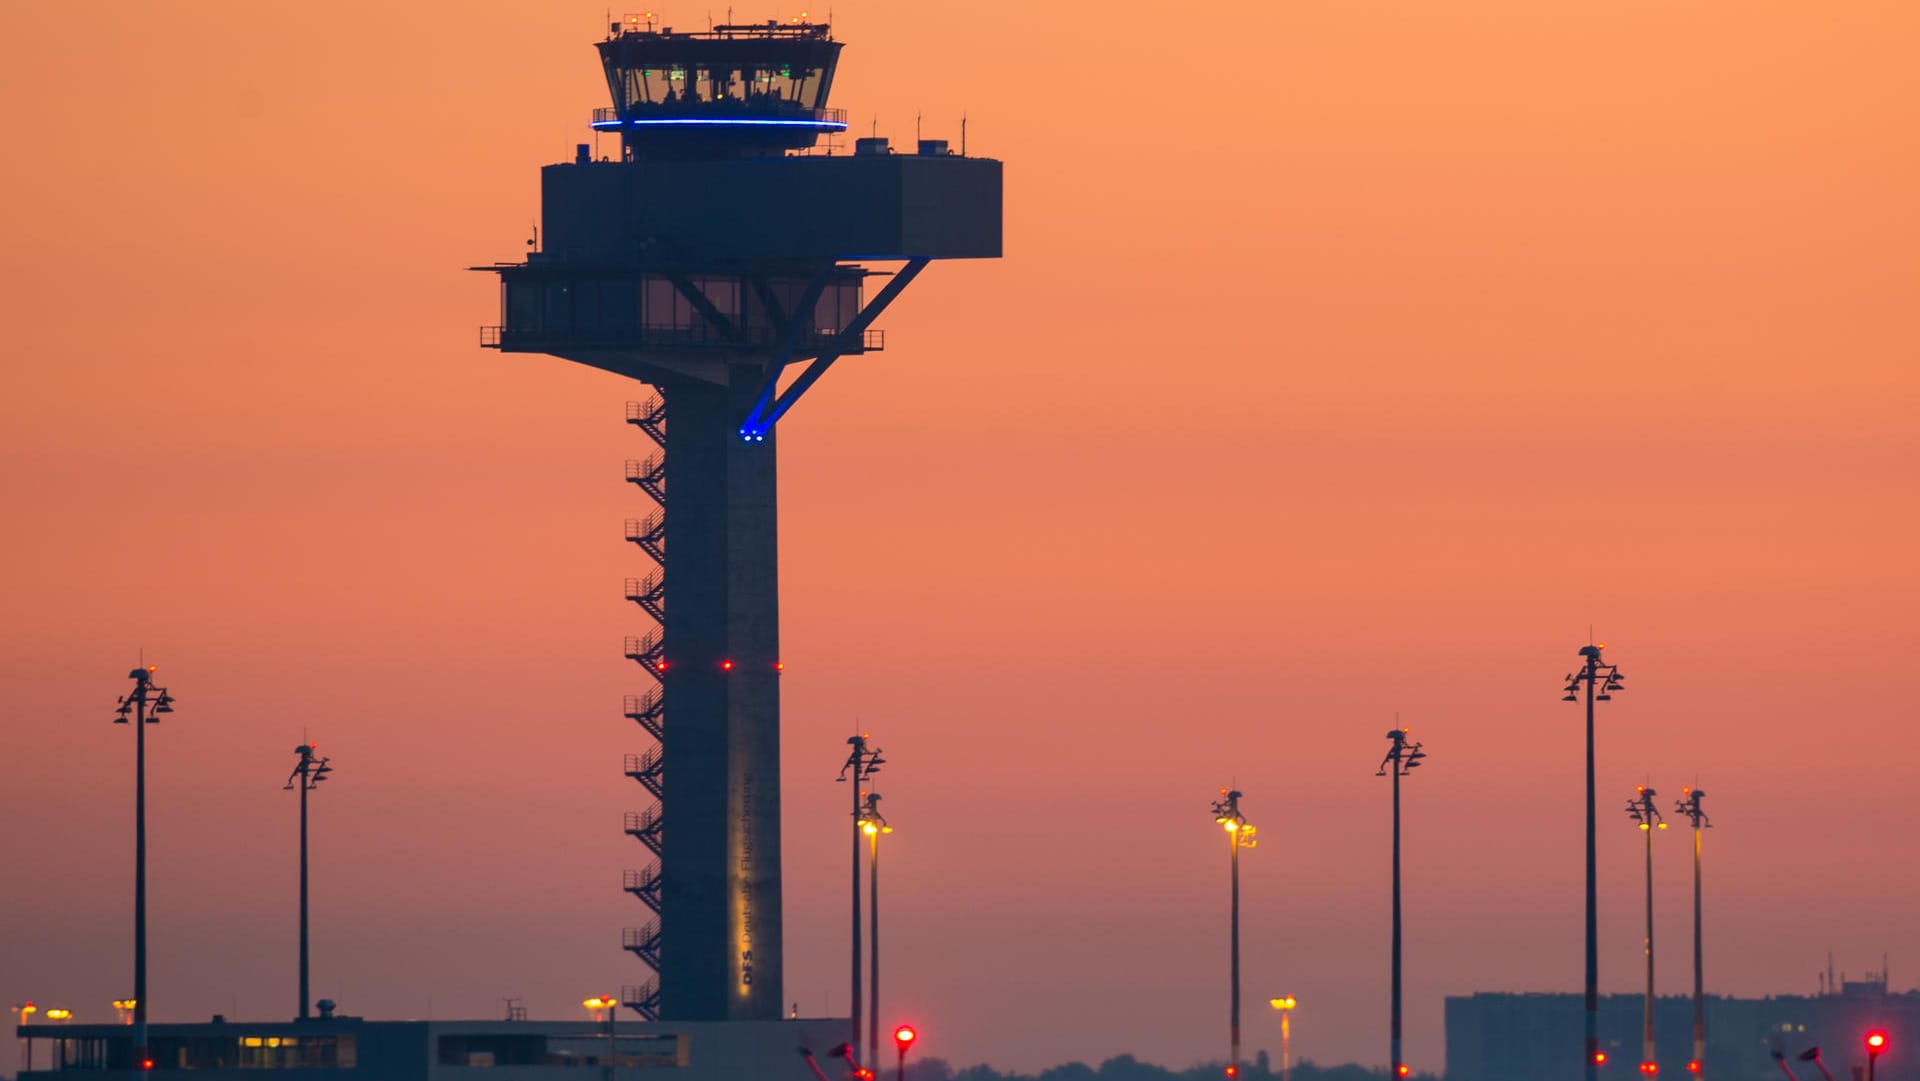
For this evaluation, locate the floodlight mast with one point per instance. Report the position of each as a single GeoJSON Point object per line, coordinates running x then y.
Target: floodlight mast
{"type": "Point", "coordinates": [1642, 810]}
{"type": "Point", "coordinates": [717, 261]}
{"type": "Point", "coordinates": [136, 703]}
{"type": "Point", "coordinates": [307, 775]}
{"type": "Point", "coordinates": [874, 825]}
{"type": "Point", "coordinates": [1226, 812]}
{"type": "Point", "coordinates": [1689, 806]}
{"type": "Point", "coordinates": [1402, 758]}
{"type": "Point", "coordinates": [1592, 674]}
{"type": "Point", "coordinates": [861, 764]}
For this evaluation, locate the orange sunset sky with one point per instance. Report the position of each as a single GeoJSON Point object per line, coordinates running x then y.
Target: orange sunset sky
{"type": "Point", "coordinates": [1349, 358]}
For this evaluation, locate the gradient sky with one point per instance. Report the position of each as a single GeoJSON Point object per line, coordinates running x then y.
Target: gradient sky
{"type": "Point", "coordinates": [1348, 358]}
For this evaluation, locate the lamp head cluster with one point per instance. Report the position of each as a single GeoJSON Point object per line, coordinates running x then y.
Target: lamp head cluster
{"type": "Point", "coordinates": [145, 692]}
{"type": "Point", "coordinates": [310, 770]}
{"type": "Point", "coordinates": [1641, 809]}
{"type": "Point", "coordinates": [1403, 757]}
{"type": "Point", "coordinates": [872, 822]}
{"type": "Point", "coordinates": [1689, 805]}
{"type": "Point", "coordinates": [1596, 674]}
{"type": "Point", "coordinates": [861, 762]}
{"type": "Point", "coordinates": [1226, 811]}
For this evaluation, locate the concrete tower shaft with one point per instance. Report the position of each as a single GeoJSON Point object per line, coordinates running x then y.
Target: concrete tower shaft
{"type": "Point", "coordinates": [721, 862]}
{"type": "Point", "coordinates": [715, 263]}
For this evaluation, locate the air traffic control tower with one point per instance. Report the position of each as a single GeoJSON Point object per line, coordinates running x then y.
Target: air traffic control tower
{"type": "Point", "coordinates": [721, 260]}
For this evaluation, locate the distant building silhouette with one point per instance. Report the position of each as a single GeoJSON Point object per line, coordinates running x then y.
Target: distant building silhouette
{"type": "Point", "coordinates": [1537, 1037]}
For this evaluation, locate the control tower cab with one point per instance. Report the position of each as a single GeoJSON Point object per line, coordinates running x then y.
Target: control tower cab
{"type": "Point", "coordinates": [735, 91]}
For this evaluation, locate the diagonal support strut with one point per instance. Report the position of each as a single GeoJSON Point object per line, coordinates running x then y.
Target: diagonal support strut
{"type": "Point", "coordinates": [768, 410]}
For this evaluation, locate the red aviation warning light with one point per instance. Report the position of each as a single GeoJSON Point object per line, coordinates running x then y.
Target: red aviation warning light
{"type": "Point", "coordinates": [1599, 1058]}
{"type": "Point", "coordinates": [1876, 1044]}
{"type": "Point", "coordinates": [903, 1037]}
{"type": "Point", "coordinates": [863, 1074]}
{"type": "Point", "coordinates": [1402, 1070]}
{"type": "Point", "coordinates": [1233, 1071]}
{"type": "Point", "coordinates": [1694, 1066]}
{"type": "Point", "coordinates": [1651, 1069]}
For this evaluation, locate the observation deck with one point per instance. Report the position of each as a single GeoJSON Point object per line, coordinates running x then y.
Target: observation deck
{"type": "Point", "coordinates": [733, 91]}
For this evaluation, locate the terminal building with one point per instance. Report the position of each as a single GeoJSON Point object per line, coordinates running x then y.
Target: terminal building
{"type": "Point", "coordinates": [362, 1050]}
{"type": "Point", "coordinates": [1538, 1037]}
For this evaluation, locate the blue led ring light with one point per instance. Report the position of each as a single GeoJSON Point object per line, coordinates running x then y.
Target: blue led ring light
{"type": "Point", "coordinates": [719, 122]}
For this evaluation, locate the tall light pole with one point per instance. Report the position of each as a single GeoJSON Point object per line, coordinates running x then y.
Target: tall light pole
{"type": "Point", "coordinates": [903, 1038]}
{"type": "Point", "coordinates": [145, 703]}
{"type": "Point", "coordinates": [873, 824]}
{"type": "Point", "coordinates": [1690, 806]}
{"type": "Point", "coordinates": [861, 764]}
{"type": "Point", "coordinates": [1605, 678]}
{"type": "Point", "coordinates": [605, 1007]}
{"type": "Point", "coordinates": [1285, 1005]}
{"type": "Point", "coordinates": [308, 772]}
{"type": "Point", "coordinates": [1226, 811]}
{"type": "Point", "coordinates": [1642, 811]}
{"type": "Point", "coordinates": [26, 1010]}
{"type": "Point", "coordinates": [1402, 758]}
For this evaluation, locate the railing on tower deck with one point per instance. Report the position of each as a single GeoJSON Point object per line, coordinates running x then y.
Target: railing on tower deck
{"type": "Point", "coordinates": [648, 770]}
{"type": "Point", "coordinates": [650, 533]}
{"type": "Point", "coordinates": [650, 416]}
{"type": "Point", "coordinates": [701, 335]}
{"type": "Point", "coordinates": [644, 941]}
{"type": "Point", "coordinates": [643, 881]}
{"type": "Point", "coordinates": [643, 999]}
{"type": "Point", "coordinates": [647, 710]}
{"type": "Point", "coordinates": [649, 593]}
{"type": "Point", "coordinates": [646, 826]}
{"type": "Point", "coordinates": [651, 475]}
